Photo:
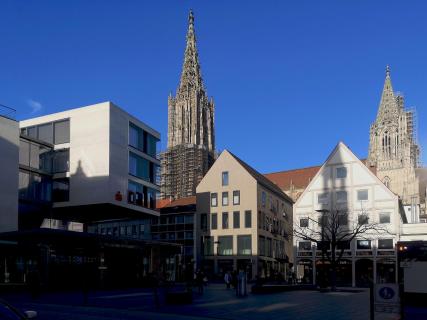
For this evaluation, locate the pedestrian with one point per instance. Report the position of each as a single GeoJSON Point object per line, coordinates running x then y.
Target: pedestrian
{"type": "Point", "coordinates": [227, 279]}
{"type": "Point", "coordinates": [199, 280]}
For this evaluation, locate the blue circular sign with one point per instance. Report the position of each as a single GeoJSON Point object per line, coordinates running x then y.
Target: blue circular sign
{"type": "Point", "coordinates": [386, 293]}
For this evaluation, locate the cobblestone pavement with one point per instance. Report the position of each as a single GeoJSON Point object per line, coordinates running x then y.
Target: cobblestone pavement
{"type": "Point", "coordinates": [217, 303]}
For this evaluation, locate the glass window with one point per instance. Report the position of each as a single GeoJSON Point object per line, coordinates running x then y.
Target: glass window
{"type": "Point", "coordinates": [61, 190]}
{"type": "Point", "coordinates": [304, 246]}
{"type": "Point", "coordinates": [136, 137]}
{"type": "Point", "coordinates": [141, 229]}
{"type": "Point", "coordinates": [225, 245]}
{"type": "Point", "coordinates": [61, 161]}
{"type": "Point", "coordinates": [24, 181]}
{"type": "Point", "coordinates": [179, 219]}
{"type": "Point", "coordinates": [303, 222]}
{"type": "Point", "coordinates": [135, 193]}
{"type": "Point", "coordinates": [322, 198]}
{"type": "Point", "coordinates": [180, 235]}
{"type": "Point", "coordinates": [225, 220]}
{"type": "Point", "coordinates": [244, 245]}
{"type": "Point", "coordinates": [214, 199]}
{"type": "Point", "coordinates": [236, 197]}
{"type": "Point", "coordinates": [363, 244]}
{"type": "Point", "coordinates": [214, 222]}
{"type": "Point", "coordinates": [342, 220]}
{"type": "Point", "coordinates": [225, 178]}
{"type": "Point", "coordinates": [208, 245]}
{"type": "Point", "coordinates": [263, 198]}
{"type": "Point", "coordinates": [204, 221]}
{"type": "Point", "coordinates": [139, 167]}
{"type": "Point", "coordinates": [385, 217]}
{"type": "Point", "coordinates": [188, 234]}
{"type": "Point", "coordinates": [269, 252]}
{"type": "Point", "coordinates": [385, 243]}
{"type": "Point", "coordinates": [363, 219]}
{"type": "Point", "coordinates": [122, 231]}
{"type": "Point", "coordinates": [45, 132]}
{"type": "Point", "coordinates": [236, 219]}
{"type": "Point", "coordinates": [225, 198]}
{"type": "Point", "coordinates": [341, 172]}
{"type": "Point", "coordinates": [341, 196]}
{"type": "Point", "coordinates": [248, 219]}
{"type": "Point", "coordinates": [32, 132]}
{"type": "Point", "coordinates": [362, 194]}
{"type": "Point", "coordinates": [343, 245]}
{"type": "Point", "coordinates": [189, 219]}
{"type": "Point", "coordinates": [261, 245]}
{"type": "Point", "coordinates": [62, 131]}
{"type": "Point", "coordinates": [128, 230]}
{"type": "Point", "coordinates": [151, 145]}
{"type": "Point", "coordinates": [45, 159]}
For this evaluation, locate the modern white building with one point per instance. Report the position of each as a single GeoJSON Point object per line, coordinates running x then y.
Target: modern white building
{"type": "Point", "coordinates": [345, 185]}
{"type": "Point", "coordinates": [243, 221]}
{"type": "Point", "coordinates": [9, 155]}
{"type": "Point", "coordinates": [105, 164]}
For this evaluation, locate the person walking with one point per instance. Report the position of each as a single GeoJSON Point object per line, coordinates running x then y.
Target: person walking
{"type": "Point", "coordinates": [227, 279]}
{"type": "Point", "coordinates": [200, 280]}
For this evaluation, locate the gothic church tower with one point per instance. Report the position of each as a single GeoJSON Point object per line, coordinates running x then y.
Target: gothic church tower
{"type": "Point", "coordinates": [392, 146]}
{"type": "Point", "coordinates": [191, 133]}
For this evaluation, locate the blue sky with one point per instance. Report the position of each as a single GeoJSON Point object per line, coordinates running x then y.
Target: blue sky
{"type": "Point", "coordinates": [289, 78]}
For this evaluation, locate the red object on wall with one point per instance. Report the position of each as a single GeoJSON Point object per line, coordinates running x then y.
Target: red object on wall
{"type": "Point", "coordinates": [118, 196]}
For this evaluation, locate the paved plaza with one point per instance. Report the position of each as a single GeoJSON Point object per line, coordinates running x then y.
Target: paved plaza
{"type": "Point", "coordinates": [216, 303]}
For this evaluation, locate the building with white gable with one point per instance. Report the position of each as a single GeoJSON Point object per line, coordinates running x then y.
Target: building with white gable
{"type": "Point", "coordinates": [345, 185]}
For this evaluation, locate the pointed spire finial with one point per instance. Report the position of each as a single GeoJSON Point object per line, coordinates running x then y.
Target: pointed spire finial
{"type": "Point", "coordinates": [191, 17]}
{"type": "Point", "coordinates": [387, 71]}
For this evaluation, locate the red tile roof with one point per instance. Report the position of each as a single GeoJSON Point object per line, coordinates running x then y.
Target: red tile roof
{"type": "Point", "coordinates": [181, 202]}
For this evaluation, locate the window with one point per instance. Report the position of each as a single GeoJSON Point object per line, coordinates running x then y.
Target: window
{"type": "Point", "coordinates": [179, 219]}
{"type": "Point", "coordinates": [122, 231]}
{"type": "Point", "coordinates": [322, 198]}
{"type": "Point", "coordinates": [342, 220]}
{"type": "Point", "coordinates": [236, 219]}
{"type": "Point", "coordinates": [189, 219]}
{"type": "Point", "coordinates": [244, 245]}
{"type": "Point", "coordinates": [385, 243]}
{"type": "Point", "coordinates": [248, 219]}
{"type": "Point", "coordinates": [204, 221]}
{"type": "Point", "coordinates": [141, 229]}
{"type": "Point", "coordinates": [139, 167]}
{"type": "Point", "coordinates": [189, 235]}
{"type": "Point", "coordinates": [225, 198]}
{"type": "Point", "coordinates": [268, 249]}
{"type": "Point", "coordinates": [208, 245]}
{"type": "Point", "coordinates": [343, 245]}
{"type": "Point", "coordinates": [214, 222]}
{"type": "Point", "coordinates": [362, 194]}
{"type": "Point", "coordinates": [62, 131]}
{"type": "Point", "coordinates": [225, 245]}
{"type": "Point", "coordinates": [323, 220]}
{"type": "Point", "coordinates": [151, 145]}
{"type": "Point", "coordinates": [363, 219]}
{"type": "Point", "coordinates": [341, 173]}
{"type": "Point", "coordinates": [61, 190]}
{"type": "Point", "coordinates": [61, 161]}
{"type": "Point", "coordinates": [263, 198]}
{"type": "Point", "coordinates": [303, 222]}
{"type": "Point", "coordinates": [32, 132]}
{"type": "Point", "coordinates": [214, 199]}
{"type": "Point", "coordinates": [385, 217]}
{"type": "Point", "coordinates": [136, 137]}
{"type": "Point", "coordinates": [236, 197]}
{"type": "Point", "coordinates": [341, 196]}
{"type": "Point", "coordinates": [225, 178]}
{"type": "Point", "coordinates": [134, 230]}
{"type": "Point", "coordinates": [225, 220]}
{"type": "Point", "coordinates": [363, 244]}
{"type": "Point", "coordinates": [261, 246]}
{"type": "Point", "coordinates": [45, 132]}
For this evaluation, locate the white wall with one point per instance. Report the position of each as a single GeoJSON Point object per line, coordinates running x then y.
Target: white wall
{"type": "Point", "coordinates": [9, 170]}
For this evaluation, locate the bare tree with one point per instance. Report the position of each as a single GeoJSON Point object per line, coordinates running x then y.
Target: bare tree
{"type": "Point", "coordinates": [333, 231]}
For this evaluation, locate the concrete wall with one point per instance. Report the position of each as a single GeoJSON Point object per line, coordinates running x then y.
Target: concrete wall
{"type": "Point", "coordinates": [99, 150]}
{"type": "Point", "coordinates": [9, 166]}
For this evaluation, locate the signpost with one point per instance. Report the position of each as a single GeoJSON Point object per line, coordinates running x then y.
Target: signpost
{"type": "Point", "coordinates": [386, 298]}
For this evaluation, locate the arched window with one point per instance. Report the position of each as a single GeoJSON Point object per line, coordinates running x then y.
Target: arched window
{"type": "Point", "coordinates": [386, 182]}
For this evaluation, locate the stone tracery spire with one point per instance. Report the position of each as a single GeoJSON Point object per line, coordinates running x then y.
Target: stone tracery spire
{"type": "Point", "coordinates": [388, 106]}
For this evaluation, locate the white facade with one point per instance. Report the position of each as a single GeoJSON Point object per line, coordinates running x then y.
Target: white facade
{"type": "Point", "coordinates": [340, 184]}
{"type": "Point", "coordinates": [9, 159]}
{"type": "Point", "coordinates": [99, 149]}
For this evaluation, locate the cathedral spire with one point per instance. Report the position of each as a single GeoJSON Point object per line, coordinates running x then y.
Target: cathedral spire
{"type": "Point", "coordinates": [388, 106]}
{"type": "Point", "coordinates": [191, 77]}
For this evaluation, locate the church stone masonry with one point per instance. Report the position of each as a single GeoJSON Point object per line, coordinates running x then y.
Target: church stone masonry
{"type": "Point", "coordinates": [393, 149]}
{"type": "Point", "coordinates": [191, 137]}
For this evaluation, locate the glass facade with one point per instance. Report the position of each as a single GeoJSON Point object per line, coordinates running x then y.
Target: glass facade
{"type": "Point", "coordinates": [34, 187]}
{"type": "Point", "coordinates": [52, 132]}
{"type": "Point", "coordinates": [61, 190]}
{"type": "Point", "coordinates": [244, 245]}
{"type": "Point", "coordinates": [225, 245]}
{"type": "Point", "coordinates": [141, 195]}
{"type": "Point", "coordinates": [142, 140]}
